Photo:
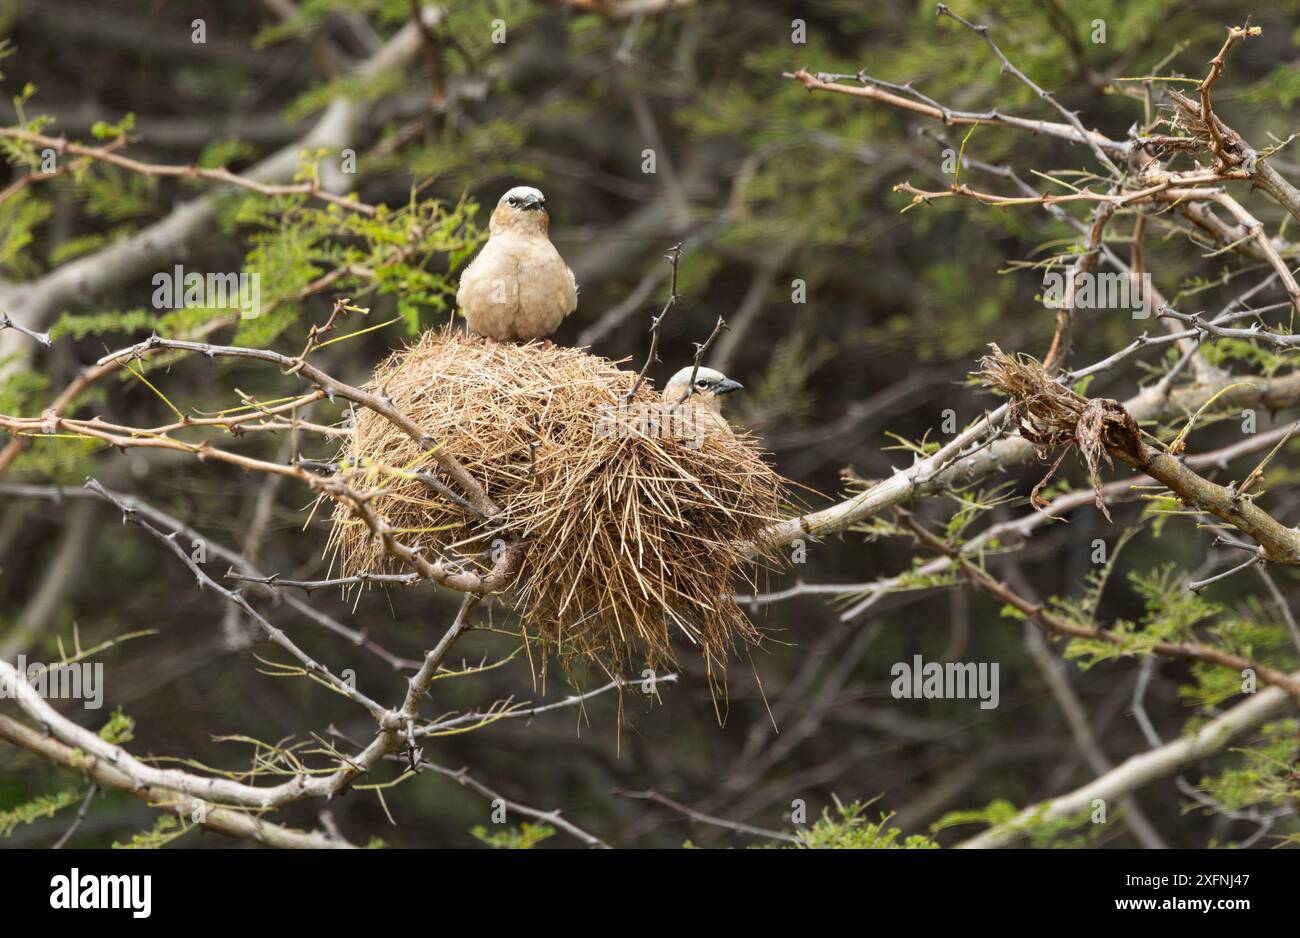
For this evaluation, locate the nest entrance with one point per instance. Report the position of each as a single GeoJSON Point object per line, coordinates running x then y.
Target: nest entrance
{"type": "Point", "coordinates": [632, 516]}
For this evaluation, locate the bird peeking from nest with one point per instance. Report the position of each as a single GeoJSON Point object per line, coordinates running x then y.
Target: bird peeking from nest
{"type": "Point", "coordinates": [707, 391]}
{"type": "Point", "coordinates": [518, 287]}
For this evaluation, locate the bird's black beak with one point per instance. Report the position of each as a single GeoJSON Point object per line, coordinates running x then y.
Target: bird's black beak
{"type": "Point", "coordinates": [726, 386]}
{"type": "Point", "coordinates": [533, 203]}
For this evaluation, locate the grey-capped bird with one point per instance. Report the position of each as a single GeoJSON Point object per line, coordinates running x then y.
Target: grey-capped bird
{"type": "Point", "coordinates": [518, 287]}
{"type": "Point", "coordinates": [708, 390]}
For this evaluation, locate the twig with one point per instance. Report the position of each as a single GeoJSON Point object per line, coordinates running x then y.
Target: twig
{"type": "Point", "coordinates": [1139, 770]}
{"type": "Point", "coordinates": [109, 155]}
{"type": "Point", "coordinates": [1235, 34]}
{"type": "Point", "coordinates": [573, 700]}
{"type": "Point", "coordinates": [701, 349]}
{"type": "Point", "coordinates": [218, 550]}
{"type": "Point", "coordinates": [204, 581]}
{"type": "Point", "coordinates": [1007, 66]}
{"type": "Point", "coordinates": [81, 816]}
{"type": "Point", "coordinates": [462, 777]}
{"type": "Point", "coordinates": [41, 337]}
{"type": "Point", "coordinates": [701, 818]}
{"type": "Point", "coordinates": [106, 774]}
{"type": "Point", "coordinates": [674, 256]}
{"type": "Point", "coordinates": [308, 586]}
{"type": "Point", "coordinates": [1053, 623]}
{"type": "Point", "coordinates": [1197, 585]}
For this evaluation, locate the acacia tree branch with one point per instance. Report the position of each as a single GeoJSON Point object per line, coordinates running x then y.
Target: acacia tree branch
{"type": "Point", "coordinates": [444, 572]}
{"type": "Point", "coordinates": [394, 729]}
{"type": "Point", "coordinates": [1171, 189]}
{"type": "Point", "coordinates": [573, 700]}
{"type": "Point", "coordinates": [1139, 770]}
{"type": "Point", "coordinates": [462, 777]}
{"type": "Point", "coordinates": [941, 470]}
{"type": "Point", "coordinates": [1254, 229]}
{"type": "Point", "coordinates": [1052, 670]}
{"type": "Point", "coordinates": [674, 257]}
{"type": "Point", "coordinates": [91, 375]}
{"type": "Point", "coordinates": [818, 82]}
{"type": "Point", "coordinates": [1195, 651]}
{"type": "Point", "coordinates": [332, 388]}
{"type": "Point", "coordinates": [242, 824]}
{"type": "Point", "coordinates": [41, 337]}
{"type": "Point", "coordinates": [1008, 66]}
{"type": "Point", "coordinates": [36, 176]}
{"type": "Point", "coordinates": [62, 145]}
{"type": "Point", "coordinates": [35, 304]}
{"type": "Point", "coordinates": [171, 541]}
{"type": "Point", "coordinates": [1276, 339]}
{"type": "Point", "coordinates": [702, 818]}
{"type": "Point", "coordinates": [1235, 34]}
{"type": "Point", "coordinates": [220, 551]}
{"type": "Point", "coordinates": [308, 586]}
{"type": "Point", "coordinates": [1023, 527]}
{"type": "Point", "coordinates": [1051, 415]}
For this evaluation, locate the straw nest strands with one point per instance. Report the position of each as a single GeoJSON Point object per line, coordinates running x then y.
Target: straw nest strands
{"type": "Point", "coordinates": [634, 517]}
{"type": "Point", "coordinates": [1049, 414]}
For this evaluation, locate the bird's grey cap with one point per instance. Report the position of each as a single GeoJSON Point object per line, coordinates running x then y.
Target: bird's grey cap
{"type": "Point", "coordinates": [717, 381]}
{"type": "Point", "coordinates": [524, 197]}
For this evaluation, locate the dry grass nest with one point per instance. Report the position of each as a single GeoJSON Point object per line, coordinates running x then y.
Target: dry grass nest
{"type": "Point", "coordinates": [1051, 415]}
{"type": "Point", "coordinates": [630, 539]}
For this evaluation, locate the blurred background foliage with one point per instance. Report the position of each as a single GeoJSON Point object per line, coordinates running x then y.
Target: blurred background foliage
{"type": "Point", "coordinates": [767, 185]}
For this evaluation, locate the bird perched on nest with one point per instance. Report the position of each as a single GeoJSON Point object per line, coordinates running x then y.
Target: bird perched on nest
{"type": "Point", "coordinates": [518, 287]}
{"type": "Point", "coordinates": [707, 391]}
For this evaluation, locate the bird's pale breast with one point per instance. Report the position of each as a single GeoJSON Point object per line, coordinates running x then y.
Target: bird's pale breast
{"type": "Point", "coordinates": [517, 288]}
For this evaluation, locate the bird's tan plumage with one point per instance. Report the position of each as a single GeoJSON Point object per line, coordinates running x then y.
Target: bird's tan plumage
{"type": "Point", "coordinates": [518, 287]}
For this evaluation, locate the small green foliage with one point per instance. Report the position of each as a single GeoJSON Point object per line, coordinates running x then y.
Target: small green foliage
{"type": "Point", "coordinates": [1172, 614]}
{"type": "Point", "coordinates": [295, 241]}
{"type": "Point", "coordinates": [995, 812]}
{"type": "Point", "coordinates": [1268, 774]}
{"type": "Point", "coordinates": [103, 130]}
{"type": "Point", "coordinates": [525, 837]}
{"type": "Point", "coordinates": [1071, 831]}
{"type": "Point", "coordinates": [80, 326]}
{"type": "Point", "coordinates": [19, 216]}
{"type": "Point", "coordinates": [221, 153]}
{"type": "Point", "coordinates": [851, 829]}
{"type": "Point", "coordinates": [913, 580]}
{"type": "Point", "coordinates": [165, 829]}
{"type": "Point", "coordinates": [922, 448]}
{"type": "Point", "coordinates": [1281, 87]}
{"type": "Point", "coordinates": [58, 459]}
{"type": "Point", "coordinates": [490, 150]}
{"type": "Point", "coordinates": [114, 195]}
{"type": "Point", "coordinates": [42, 806]}
{"type": "Point", "coordinates": [782, 392]}
{"type": "Point", "coordinates": [309, 14]}
{"type": "Point", "coordinates": [119, 730]}
{"type": "Point", "coordinates": [353, 87]}
{"type": "Point", "coordinates": [80, 245]}
{"type": "Point", "coordinates": [20, 389]}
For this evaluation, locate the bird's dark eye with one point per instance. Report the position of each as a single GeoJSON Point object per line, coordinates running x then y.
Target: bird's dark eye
{"type": "Point", "coordinates": [702, 384]}
{"type": "Point", "coordinates": [512, 201]}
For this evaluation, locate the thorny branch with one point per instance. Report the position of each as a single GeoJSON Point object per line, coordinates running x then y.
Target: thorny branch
{"type": "Point", "coordinates": [674, 257]}
{"type": "Point", "coordinates": [1059, 626]}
